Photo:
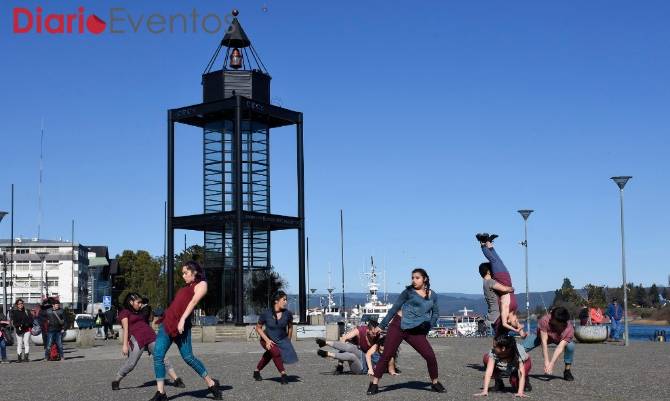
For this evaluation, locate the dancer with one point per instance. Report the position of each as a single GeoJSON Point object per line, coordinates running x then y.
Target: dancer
{"type": "Point", "coordinates": [492, 291]}
{"type": "Point", "coordinates": [411, 317]}
{"type": "Point", "coordinates": [375, 353]}
{"type": "Point", "coordinates": [554, 328]}
{"type": "Point", "coordinates": [353, 346]}
{"type": "Point", "coordinates": [176, 327]}
{"type": "Point", "coordinates": [137, 336]}
{"type": "Point", "coordinates": [508, 320]}
{"type": "Point", "coordinates": [276, 338]}
{"type": "Point", "coordinates": [509, 359]}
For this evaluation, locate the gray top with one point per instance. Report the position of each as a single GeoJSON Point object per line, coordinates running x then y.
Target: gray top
{"type": "Point", "coordinates": [507, 368]}
{"type": "Point", "coordinates": [491, 297]}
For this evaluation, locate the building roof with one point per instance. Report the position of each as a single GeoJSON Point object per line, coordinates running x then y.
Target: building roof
{"type": "Point", "coordinates": [34, 242]}
{"type": "Point", "coordinates": [98, 261]}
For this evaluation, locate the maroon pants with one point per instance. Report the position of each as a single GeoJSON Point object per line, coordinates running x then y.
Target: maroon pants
{"type": "Point", "coordinates": [419, 342]}
{"type": "Point", "coordinates": [273, 354]}
{"type": "Point", "coordinates": [514, 377]}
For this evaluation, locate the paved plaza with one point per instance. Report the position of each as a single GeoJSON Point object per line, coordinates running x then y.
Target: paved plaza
{"type": "Point", "coordinates": [603, 372]}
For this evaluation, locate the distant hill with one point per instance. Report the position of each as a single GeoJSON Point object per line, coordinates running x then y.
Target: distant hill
{"type": "Point", "coordinates": [450, 303]}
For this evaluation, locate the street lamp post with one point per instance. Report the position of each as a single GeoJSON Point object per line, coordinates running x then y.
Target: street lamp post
{"type": "Point", "coordinates": [525, 213]}
{"type": "Point", "coordinates": [621, 183]}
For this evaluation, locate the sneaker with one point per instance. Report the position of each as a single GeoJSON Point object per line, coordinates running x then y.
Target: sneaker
{"type": "Point", "coordinates": [19, 359]}
{"type": "Point", "coordinates": [283, 379]}
{"type": "Point", "coordinates": [492, 237]}
{"type": "Point", "coordinates": [322, 353]}
{"type": "Point", "coordinates": [339, 370]}
{"type": "Point", "coordinates": [216, 392]}
{"type": "Point", "coordinates": [320, 342]}
{"type": "Point", "coordinates": [178, 382]}
{"type": "Point", "coordinates": [482, 237]}
{"type": "Point", "coordinates": [499, 385]}
{"type": "Point", "coordinates": [159, 397]}
{"type": "Point", "coordinates": [257, 376]}
{"type": "Point", "coordinates": [115, 385]}
{"type": "Point", "coordinates": [438, 388]}
{"type": "Point", "coordinates": [373, 389]}
{"type": "Point", "coordinates": [26, 358]}
{"type": "Point", "coordinates": [567, 376]}
{"type": "Point", "coordinates": [4, 361]}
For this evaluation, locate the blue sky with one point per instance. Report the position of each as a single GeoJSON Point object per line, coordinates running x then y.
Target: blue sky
{"type": "Point", "coordinates": [425, 122]}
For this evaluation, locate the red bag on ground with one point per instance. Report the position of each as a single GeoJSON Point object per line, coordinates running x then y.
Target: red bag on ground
{"type": "Point", "coordinates": [53, 353]}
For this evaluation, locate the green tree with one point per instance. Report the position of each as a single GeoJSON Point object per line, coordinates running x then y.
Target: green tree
{"type": "Point", "coordinates": [567, 297]}
{"type": "Point", "coordinates": [640, 296]}
{"type": "Point", "coordinates": [264, 283]}
{"type": "Point", "coordinates": [652, 295]}
{"type": "Point", "coordinates": [596, 295]}
{"type": "Point", "coordinates": [142, 274]}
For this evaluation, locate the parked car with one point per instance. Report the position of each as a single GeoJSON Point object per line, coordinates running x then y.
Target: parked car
{"type": "Point", "coordinates": [84, 321]}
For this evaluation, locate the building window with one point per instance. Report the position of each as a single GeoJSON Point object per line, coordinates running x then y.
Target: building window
{"type": "Point", "coordinates": [23, 251]}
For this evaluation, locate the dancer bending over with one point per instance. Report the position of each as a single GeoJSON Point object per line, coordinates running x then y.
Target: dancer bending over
{"type": "Point", "coordinates": [276, 338]}
{"type": "Point", "coordinates": [137, 336]}
{"type": "Point", "coordinates": [413, 314]}
{"type": "Point", "coordinates": [507, 359]}
{"type": "Point", "coordinates": [176, 328]}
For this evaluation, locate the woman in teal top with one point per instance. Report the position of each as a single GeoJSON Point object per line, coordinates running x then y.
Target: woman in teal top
{"type": "Point", "coordinates": [413, 314]}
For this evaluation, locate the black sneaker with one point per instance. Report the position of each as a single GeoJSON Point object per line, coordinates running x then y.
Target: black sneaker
{"type": "Point", "coordinates": [527, 387]}
{"type": "Point", "coordinates": [492, 237]}
{"type": "Point", "coordinates": [320, 342]}
{"type": "Point", "coordinates": [257, 376]}
{"type": "Point", "coordinates": [482, 237]}
{"type": "Point", "coordinates": [178, 382]}
{"type": "Point", "coordinates": [159, 397]}
{"type": "Point", "coordinates": [499, 385]}
{"type": "Point", "coordinates": [339, 370]}
{"type": "Point", "coordinates": [438, 388]}
{"type": "Point", "coordinates": [373, 389]}
{"type": "Point", "coordinates": [567, 376]}
{"type": "Point", "coordinates": [216, 392]}
{"type": "Point", "coordinates": [322, 353]}
{"type": "Point", "coordinates": [283, 379]}
{"type": "Point", "coordinates": [115, 385]}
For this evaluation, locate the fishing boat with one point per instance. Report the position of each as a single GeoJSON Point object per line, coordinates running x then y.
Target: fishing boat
{"type": "Point", "coordinates": [374, 309]}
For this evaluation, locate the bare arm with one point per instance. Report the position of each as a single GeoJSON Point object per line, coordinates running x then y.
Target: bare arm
{"type": "Point", "coordinates": [348, 336]}
{"type": "Point", "coordinates": [290, 330]}
{"type": "Point", "coordinates": [504, 313]}
{"type": "Point", "coordinates": [199, 291]}
{"type": "Point", "coordinates": [124, 326]}
{"type": "Point", "coordinates": [261, 333]}
{"type": "Point", "coordinates": [544, 337]}
{"type": "Point", "coordinates": [487, 377]}
{"type": "Point", "coordinates": [558, 351]}
{"type": "Point", "coordinates": [502, 288]}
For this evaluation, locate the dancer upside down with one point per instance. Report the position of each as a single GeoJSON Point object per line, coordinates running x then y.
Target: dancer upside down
{"type": "Point", "coordinates": [508, 320]}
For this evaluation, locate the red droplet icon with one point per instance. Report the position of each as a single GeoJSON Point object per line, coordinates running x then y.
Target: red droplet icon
{"type": "Point", "coordinates": [95, 25]}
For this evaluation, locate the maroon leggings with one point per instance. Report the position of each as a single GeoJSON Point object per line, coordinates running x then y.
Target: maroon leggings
{"type": "Point", "coordinates": [514, 377]}
{"type": "Point", "coordinates": [273, 354]}
{"type": "Point", "coordinates": [419, 342]}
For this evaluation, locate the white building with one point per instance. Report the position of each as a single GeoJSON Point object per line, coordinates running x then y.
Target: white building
{"type": "Point", "coordinates": [44, 268]}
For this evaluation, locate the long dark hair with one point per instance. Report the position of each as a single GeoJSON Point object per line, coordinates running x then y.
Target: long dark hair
{"type": "Point", "coordinates": [131, 297]}
{"type": "Point", "coordinates": [195, 268]}
{"type": "Point", "coordinates": [426, 281]}
{"type": "Point", "coordinates": [509, 343]}
{"type": "Point", "coordinates": [275, 298]}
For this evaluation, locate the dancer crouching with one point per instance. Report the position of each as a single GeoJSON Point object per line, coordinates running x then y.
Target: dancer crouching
{"type": "Point", "coordinates": [176, 327]}
{"type": "Point", "coordinates": [137, 336]}
{"type": "Point", "coordinates": [411, 317]}
{"type": "Point", "coordinates": [276, 338]}
{"type": "Point", "coordinates": [353, 346]}
{"type": "Point", "coordinates": [507, 358]}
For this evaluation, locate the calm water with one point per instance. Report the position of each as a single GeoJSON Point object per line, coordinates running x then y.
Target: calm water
{"type": "Point", "coordinates": [638, 332]}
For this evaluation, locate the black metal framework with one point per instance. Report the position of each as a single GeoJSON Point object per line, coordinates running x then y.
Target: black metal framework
{"type": "Point", "coordinates": [236, 221]}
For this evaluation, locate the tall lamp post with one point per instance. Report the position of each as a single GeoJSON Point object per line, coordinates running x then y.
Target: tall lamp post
{"type": "Point", "coordinates": [525, 213]}
{"type": "Point", "coordinates": [4, 274]}
{"type": "Point", "coordinates": [621, 183]}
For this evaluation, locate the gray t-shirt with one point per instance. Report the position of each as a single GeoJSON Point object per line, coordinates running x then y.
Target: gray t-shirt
{"type": "Point", "coordinates": [507, 368]}
{"type": "Point", "coordinates": [491, 298]}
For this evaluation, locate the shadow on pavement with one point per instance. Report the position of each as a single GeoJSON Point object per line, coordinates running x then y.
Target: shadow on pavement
{"type": "Point", "coordinates": [476, 366]}
{"type": "Point", "coordinates": [289, 378]}
{"type": "Point", "coordinates": [414, 385]}
{"type": "Point", "coordinates": [202, 393]}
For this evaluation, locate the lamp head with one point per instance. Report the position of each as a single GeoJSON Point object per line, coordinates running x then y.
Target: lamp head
{"type": "Point", "coordinates": [621, 180]}
{"type": "Point", "coordinates": [525, 213]}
